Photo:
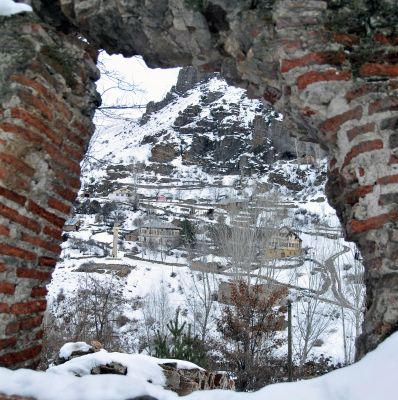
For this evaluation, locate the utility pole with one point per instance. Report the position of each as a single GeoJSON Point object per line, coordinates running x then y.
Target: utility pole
{"type": "Point", "coordinates": [289, 342]}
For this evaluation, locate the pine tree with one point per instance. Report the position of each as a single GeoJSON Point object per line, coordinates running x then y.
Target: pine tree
{"type": "Point", "coordinates": [180, 344]}
{"type": "Point", "coordinates": [161, 348]}
{"type": "Point", "coordinates": [188, 233]}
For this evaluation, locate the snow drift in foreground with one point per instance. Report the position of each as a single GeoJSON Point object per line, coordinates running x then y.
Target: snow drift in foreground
{"type": "Point", "coordinates": [372, 377]}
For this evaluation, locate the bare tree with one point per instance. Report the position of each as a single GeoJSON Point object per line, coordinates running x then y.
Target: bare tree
{"type": "Point", "coordinates": [246, 234]}
{"type": "Point", "coordinates": [157, 312]}
{"type": "Point", "coordinates": [200, 298]}
{"type": "Point", "coordinates": [354, 291]}
{"type": "Point", "coordinates": [117, 94]}
{"type": "Point", "coordinates": [95, 311]}
{"type": "Point", "coordinates": [312, 316]}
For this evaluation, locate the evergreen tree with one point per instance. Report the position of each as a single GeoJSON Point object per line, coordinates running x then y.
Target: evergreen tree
{"type": "Point", "coordinates": [161, 348]}
{"type": "Point", "coordinates": [188, 233]}
{"type": "Point", "coordinates": [180, 343]}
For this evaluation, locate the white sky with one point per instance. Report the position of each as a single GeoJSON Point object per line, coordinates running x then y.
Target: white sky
{"type": "Point", "coordinates": [153, 84]}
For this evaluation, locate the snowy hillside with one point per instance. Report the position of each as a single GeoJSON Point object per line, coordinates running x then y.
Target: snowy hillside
{"type": "Point", "coordinates": [206, 154]}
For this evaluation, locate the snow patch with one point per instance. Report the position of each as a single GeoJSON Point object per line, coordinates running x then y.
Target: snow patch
{"type": "Point", "coordinates": [68, 348]}
{"type": "Point", "coordinates": [9, 7]}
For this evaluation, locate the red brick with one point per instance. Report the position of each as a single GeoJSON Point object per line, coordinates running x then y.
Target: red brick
{"type": "Point", "coordinates": [13, 215]}
{"type": "Point", "coordinates": [36, 241]}
{"type": "Point", "coordinates": [308, 111]}
{"type": "Point", "coordinates": [388, 40]}
{"type": "Point", "coordinates": [385, 180]}
{"type": "Point", "coordinates": [53, 232]}
{"type": "Point", "coordinates": [47, 262]}
{"type": "Point", "coordinates": [18, 164]}
{"type": "Point", "coordinates": [37, 104]}
{"type": "Point", "coordinates": [363, 147]}
{"type": "Point", "coordinates": [58, 205]}
{"type": "Point", "coordinates": [7, 287]}
{"type": "Point", "coordinates": [10, 195]}
{"type": "Point", "coordinates": [362, 91]}
{"type": "Point", "coordinates": [382, 105]}
{"type": "Point", "coordinates": [373, 69]}
{"type": "Point", "coordinates": [359, 130]}
{"type": "Point", "coordinates": [360, 226]}
{"type": "Point", "coordinates": [71, 136]}
{"type": "Point", "coordinates": [322, 76]}
{"type": "Point", "coordinates": [83, 128]}
{"type": "Point", "coordinates": [11, 251]}
{"type": "Point", "coordinates": [38, 87]}
{"type": "Point", "coordinates": [63, 110]}
{"type": "Point", "coordinates": [324, 57]}
{"type": "Point", "coordinates": [354, 196]}
{"type": "Point", "coordinates": [345, 38]}
{"type": "Point", "coordinates": [68, 180]}
{"type": "Point", "coordinates": [332, 125]}
{"type": "Point", "coordinates": [40, 334]}
{"type": "Point", "coordinates": [9, 342]}
{"type": "Point", "coordinates": [21, 132]}
{"type": "Point", "coordinates": [271, 95]}
{"type": "Point", "coordinates": [38, 292]}
{"type": "Point", "coordinates": [31, 120]}
{"type": "Point", "coordinates": [11, 359]}
{"type": "Point", "coordinates": [393, 160]}
{"type": "Point", "coordinates": [4, 308]}
{"type": "Point", "coordinates": [28, 307]}
{"type": "Point", "coordinates": [13, 179]}
{"type": "Point", "coordinates": [24, 324]}
{"type": "Point", "coordinates": [3, 267]}
{"type": "Point", "coordinates": [75, 154]}
{"type": "Point", "coordinates": [41, 212]}
{"type": "Point", "coordinates": [30, 273]}
{"type": "Point", "coordinates": [4, 231]}
{"type": "Point", "coordinates": [67, 194]}
{"type": "Point", "coordinates": [58, 156]}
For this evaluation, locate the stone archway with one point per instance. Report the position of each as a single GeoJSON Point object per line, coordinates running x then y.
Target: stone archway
{"type": "Point", "coordinates": [330, 66]}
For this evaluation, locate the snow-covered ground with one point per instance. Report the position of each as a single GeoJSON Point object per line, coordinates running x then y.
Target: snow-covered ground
{"type": "Point", "coordinates": [371, 378]}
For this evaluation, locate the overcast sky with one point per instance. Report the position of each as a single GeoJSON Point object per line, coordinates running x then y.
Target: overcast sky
{"type": "Point", "coordinates": [152, 84]}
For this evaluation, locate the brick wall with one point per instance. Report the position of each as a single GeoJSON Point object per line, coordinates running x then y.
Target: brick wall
{"type": "Point", "coordinates": [343, 87]}
{"type": "Point", "coordinates": [47, 99]}
{"type": "Point", "coordinates": [329, 66]}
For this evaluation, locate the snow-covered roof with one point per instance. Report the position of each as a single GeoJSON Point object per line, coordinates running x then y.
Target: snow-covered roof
{"type": "Point", "coordinates": [72, 221]}
{"type": "Point", "coordinates": [288, 230]}
{"type": "Point", "coordinates": [159, 225]}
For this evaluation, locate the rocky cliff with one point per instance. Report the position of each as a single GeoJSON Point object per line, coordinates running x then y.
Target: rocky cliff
{"type": "Point", "coordinates": [218, 128]}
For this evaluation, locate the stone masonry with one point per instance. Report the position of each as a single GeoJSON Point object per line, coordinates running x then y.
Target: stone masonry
{"type": "Point", "coordinates": [330, 66]}
{"type": "Point", "coordinates": [47, 102]}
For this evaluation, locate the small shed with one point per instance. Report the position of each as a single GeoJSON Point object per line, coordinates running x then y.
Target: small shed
{"type": "Point", "coordinates": [72, 225]}
{"type": "Point", "coordinates": [209, 263]}
{"type": "Point", "coordinates": [131, 236]}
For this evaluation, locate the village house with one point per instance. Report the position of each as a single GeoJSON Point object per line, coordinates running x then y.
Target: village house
{"type": "Point", "coordinates": [72, 225]}
{"type": "Point", "coordinates": [132, 236]}
{"type": "Point", "coordinates": [284, 243]}
{"type": "Point", "coordinates": [159, 233]}
{"type": "Point", "coordinates": [123, 194]}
